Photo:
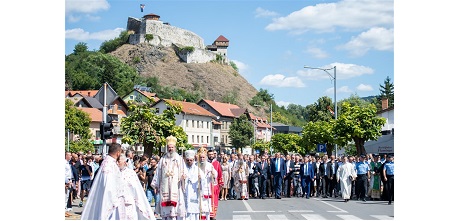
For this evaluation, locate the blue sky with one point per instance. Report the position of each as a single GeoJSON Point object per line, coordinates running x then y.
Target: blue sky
{"type": "Point", "coordinates": [270, 40]}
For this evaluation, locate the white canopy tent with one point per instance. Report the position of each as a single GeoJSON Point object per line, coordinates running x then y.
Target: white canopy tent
{"type": "Point", "coordinates": [385, 144]}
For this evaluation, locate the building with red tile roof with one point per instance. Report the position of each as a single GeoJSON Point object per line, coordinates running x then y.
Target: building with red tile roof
{"type": "Point", "coordinates": [225, 114]}
{"type": "Point", "coordinates": [194, 119]}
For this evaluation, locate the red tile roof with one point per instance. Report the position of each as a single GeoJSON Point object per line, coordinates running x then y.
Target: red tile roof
{"type": "Point", "coordinates": [94, 113]}
{"type": "Point", "coordinates": [222, 38]}
{"type": "Point", "coordinates": [87, 93]}
{"type": "Point", "coordinates": [149, 95]}
{"type": "Point", "coordinates": [191, 108]}
{"type": "Point", "coordinates": [224, 109]}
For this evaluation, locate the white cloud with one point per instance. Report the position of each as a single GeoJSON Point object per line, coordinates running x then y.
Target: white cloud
{"type": "Point", "coordinates": [380, 39]}
{"type": "Point", "coordinates": [279, 80]}
{"type": "Point", "coordinates": [343, 89]}
{"type": "Point", "coordinates": [283, 103]}
{"type": "Point", "coordinates": [82, 35]}
{"type": "Point", "coordinates": [343, 71]}
{"type": "Point", "coordinates": [317, 52]}
{"type": "Point", "coordinates": [260, 12]}
{"type": "Point", "coordinates": [364, 87]}
{"type": "Point", "coordinates": [347, 14]}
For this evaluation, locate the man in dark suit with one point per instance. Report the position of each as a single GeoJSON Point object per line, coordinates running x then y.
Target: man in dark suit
{"type": "Point", "coordinates": [289, 176]}
{"type": "Point", "coordinates": [262, 172]}
{"type": "Point", "coordinates": [307, 174]}
{"type": "Point", "coordinates": [325, 173]}
{"type": "Point", "coordinates": [278, 171]}
{"type": "Point", "coordinates": [252, 176]}
{"type": "Point", "coordinates": [333, 166]}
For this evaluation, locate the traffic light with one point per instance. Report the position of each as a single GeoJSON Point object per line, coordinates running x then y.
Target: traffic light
{"type": "Point", "coordinates": [106, 129]}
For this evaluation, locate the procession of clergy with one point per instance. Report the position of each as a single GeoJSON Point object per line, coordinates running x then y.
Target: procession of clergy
{"type": "Point", "coordinates": [188, 188]}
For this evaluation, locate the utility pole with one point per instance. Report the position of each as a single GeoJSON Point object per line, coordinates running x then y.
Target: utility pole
{"type": "Point", "coordinates": [104, 119]}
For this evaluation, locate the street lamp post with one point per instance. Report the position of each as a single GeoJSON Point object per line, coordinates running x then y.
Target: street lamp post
{"type": "Point", "coordinates": [335, 91]}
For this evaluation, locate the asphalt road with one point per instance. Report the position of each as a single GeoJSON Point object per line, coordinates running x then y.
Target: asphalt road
{"type": "Point", "coordinates": [293, 209]}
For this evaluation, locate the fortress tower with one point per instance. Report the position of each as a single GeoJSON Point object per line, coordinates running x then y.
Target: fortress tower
{"type": "Point", "coordinates": [167, 35]}
{"type": "Point", "coordinates": [219, 46]}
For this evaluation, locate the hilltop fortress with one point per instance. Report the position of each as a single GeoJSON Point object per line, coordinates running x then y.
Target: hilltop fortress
{"type": "Point", "coordinates": [188, 45]}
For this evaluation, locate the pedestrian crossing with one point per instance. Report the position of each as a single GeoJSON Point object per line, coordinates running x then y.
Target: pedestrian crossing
{"type": "Point", "coordinates": [312, 216]}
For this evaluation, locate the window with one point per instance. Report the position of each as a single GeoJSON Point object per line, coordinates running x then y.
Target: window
{"type": "Point", "coordinates": [186, 123]}
{"type": "Point", "coordinates": [193, 123]}
{"type": "Point", "coordinates": [193, 138]}
{"type": "Point", "coordinates": [207, 139]}
{"type": "Point", "coordinates": [222, 139]}
{"type": "Point", "coordinates": [201, 139]}
{"type": "Point", "coordinates": [131, 97]}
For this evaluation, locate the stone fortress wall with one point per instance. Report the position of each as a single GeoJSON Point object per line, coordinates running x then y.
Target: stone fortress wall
{"type": "Point", "coordinates": [167, 36]}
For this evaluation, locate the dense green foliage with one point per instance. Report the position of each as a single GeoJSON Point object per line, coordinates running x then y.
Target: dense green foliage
{"type": "Point", "coordinates": [143, 126]}
{"type": "Point", "coordinates": [112, 45]}
{"type": "Point", "coordinates": [318, 132]}
{"type": "Point", "coordinates": [77, 122]}
{"type": "Point", "coordinates": [359, 124]}
{"type": "Point", "coordinates": [285, 143]}
{"type": "Point", "coordinates": [89, 70]}
{"type": "Point", "coordinates": [241, 132]}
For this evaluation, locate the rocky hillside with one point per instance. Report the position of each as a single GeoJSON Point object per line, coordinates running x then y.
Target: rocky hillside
{"type": "Point", "coordinates": [214, 80]}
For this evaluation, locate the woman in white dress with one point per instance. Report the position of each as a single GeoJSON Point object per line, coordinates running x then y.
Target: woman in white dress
{"type": "Point", "coordinates": [345, 175]}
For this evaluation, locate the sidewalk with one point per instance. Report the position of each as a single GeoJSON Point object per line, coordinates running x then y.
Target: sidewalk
{"type": "Point", "coordinates": [76, 210]}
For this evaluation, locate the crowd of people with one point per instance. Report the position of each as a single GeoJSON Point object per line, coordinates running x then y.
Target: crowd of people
{"type": "Point", "coordinates": [189, 186]}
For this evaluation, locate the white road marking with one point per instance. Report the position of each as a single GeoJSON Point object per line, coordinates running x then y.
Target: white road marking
{"type": "Point", "coordinates": [338, 209]}
{"type": "Point", "coordinates": [384, 217]}
{"type": "Point", "coordinates": [277, 217]}
{"type": "Point", "coordinates": [300, 211]}
{"type": "Point", "coordinates": [259, 211]}
{"type": "Point", "coordinates": [246, 204]}
{"type": "Point", "coordinates": [349, 217]}
{"type": "Point", "coordinates": [313, 216]}
{"type": "Point", "coordinates": [241, 217]}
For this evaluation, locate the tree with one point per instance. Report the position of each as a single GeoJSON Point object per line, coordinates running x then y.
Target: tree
{"type": "Point", "coordinates": [81, 47]}
{"type": "Point", "coordinates": [241, 132]}
{"type": "Point", "coordinates": [261, 146]}
{"type": "Point", "coordinates": [77, 122]}
{"type": "Point", "coordinates": [87, 71]}
{"type": "Point", "coordinates": [112, 45]}
{"type": "Point", "coordinates": [319, 111]}
{"type": "Point", "coordinates": [319, 132]}
{"type": "Point", "coordinates": [287, 143]}
{"type": "Point", "coordinates": [387, 91]}
{"type": "Point", "coordinates": [358, 124]}
{"type": "Point", "coordinates": [144, 126]}
{"type": "Point", "coordinates": [277, 117]}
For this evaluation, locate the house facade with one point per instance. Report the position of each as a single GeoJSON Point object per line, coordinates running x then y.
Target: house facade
{"type": "Point", "coordinates": [224, 116]}
{"type": "Point", "coordinates": [195, 120]}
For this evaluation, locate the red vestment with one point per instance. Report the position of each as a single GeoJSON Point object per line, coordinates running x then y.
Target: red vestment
{"type": "Point", "coordinates": [216, 188]}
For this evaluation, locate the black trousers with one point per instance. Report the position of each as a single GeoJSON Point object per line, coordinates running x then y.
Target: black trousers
{"type": "Point", "coordinates": [333, 185]}
{"type": "Point", "coordinates": [390, 187]}
{"type": "Point", "coordinates": [326, 182]}
{"type": "Point", "coordinates": [262, 186]}
{"type": "Point", "coordinates": [361, 186]}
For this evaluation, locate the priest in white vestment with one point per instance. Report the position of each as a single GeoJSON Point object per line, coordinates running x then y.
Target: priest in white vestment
{"type": "Point", "coordinates": [168, 182]}
{"type": "Point", "coordinates": [105, 200]}
{"type": "Point", "coordinates": [345, 176]}
{"type": "Point", "coordinates": [137, 207]}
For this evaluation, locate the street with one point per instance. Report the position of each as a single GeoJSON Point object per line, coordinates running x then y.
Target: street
{"type": "Point", "coordinates": [302, 209]}
{"type": "Point", "coordinates": [294, 209]}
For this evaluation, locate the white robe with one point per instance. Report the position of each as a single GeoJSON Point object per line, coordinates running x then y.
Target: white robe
{"type": "Point", "coordinates": [135, 199]}
{"type": "Point", "coordinates": [343, 173]}
{"type": "Point", "coordinates": [105, 198]}
{"type": "Point", "coordinates": [192, 192]}
{"type": "Point", "coordinates": [167, 181]}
